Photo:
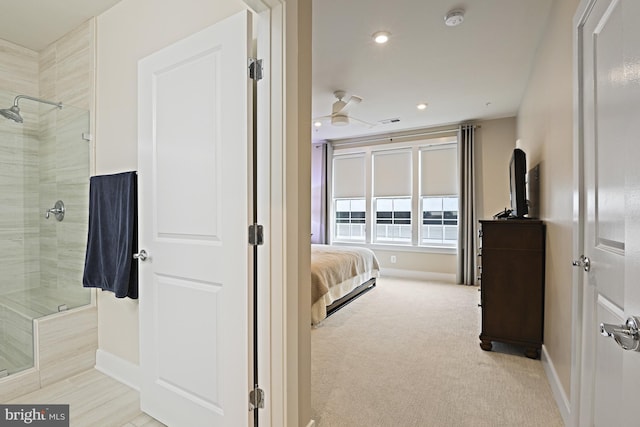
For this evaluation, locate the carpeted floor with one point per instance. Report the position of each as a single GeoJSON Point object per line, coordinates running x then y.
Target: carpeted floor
{"type": "Point", "coordinates": [407, 354]}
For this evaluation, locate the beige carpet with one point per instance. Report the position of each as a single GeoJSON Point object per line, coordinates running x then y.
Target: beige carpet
{"type": "Point", "coordinates": [407, 354]}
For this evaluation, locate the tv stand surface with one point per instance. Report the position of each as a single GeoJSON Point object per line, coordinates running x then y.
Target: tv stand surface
{"type": "Point", "coordinates": [512, 283]}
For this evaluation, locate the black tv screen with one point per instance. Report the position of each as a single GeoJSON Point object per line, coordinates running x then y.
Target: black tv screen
{"type": "Point", "coordinates": [517, 183]}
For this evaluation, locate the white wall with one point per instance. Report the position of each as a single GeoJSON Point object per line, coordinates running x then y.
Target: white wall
{"type": "Point", "coordinates": [495, 141]}
{"type": "Point", "coordinates": [545, 132]}
{"type": "Point", "coordinates": [129, 31]}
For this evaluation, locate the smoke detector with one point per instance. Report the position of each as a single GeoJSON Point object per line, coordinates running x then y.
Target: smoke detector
{"type": "Point", "coordinates": [454, 17]}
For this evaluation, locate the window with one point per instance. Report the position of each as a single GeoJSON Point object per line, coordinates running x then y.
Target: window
{"type": "Point", "coordinates": [393, 220]}
{"type": "Point", "coordinates": [439, 221]}
{"type": "Point", "coordinates": [392, 183]}
{"type": "Point", "coordinates": [438, 193]}
{"type": "Point", "coordinates": [350, 220]}
{"type": "Point", "coordinates": [349, 203]}
{"type": "Point", "coordinates": [403, 193]}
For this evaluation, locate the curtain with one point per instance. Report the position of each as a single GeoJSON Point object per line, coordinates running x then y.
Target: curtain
{"type": "Point", "coordinates": [319, 193]}
{"type": "Point", "coordinates": [467, 244]}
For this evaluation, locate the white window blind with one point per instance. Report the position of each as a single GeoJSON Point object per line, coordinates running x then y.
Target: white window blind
{"type": "Point", "coordinates": [348, 177]}
{"type": "Point", "coordinates": [392, 173]}
{"type": "Point", "coordinates": [439, 171]}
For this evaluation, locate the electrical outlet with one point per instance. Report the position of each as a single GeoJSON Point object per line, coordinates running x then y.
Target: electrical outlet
{"type": "Point", "coordinates": [393, 259]}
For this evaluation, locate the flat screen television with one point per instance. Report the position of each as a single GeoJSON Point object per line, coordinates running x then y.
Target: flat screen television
{"type": "Point", "coordinates": [517, 184]}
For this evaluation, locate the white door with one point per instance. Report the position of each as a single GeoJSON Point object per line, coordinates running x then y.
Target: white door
{"type": "Point", "coordinates": [194, 206]}
{"type": "Point", "coordinates": [611, 112]}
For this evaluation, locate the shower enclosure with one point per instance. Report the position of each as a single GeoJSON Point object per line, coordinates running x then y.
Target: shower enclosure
{"type": "Point", "coordinates": [44, 179]}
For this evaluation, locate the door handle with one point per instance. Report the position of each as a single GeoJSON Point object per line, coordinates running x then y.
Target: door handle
{"type": "Point", "coordinates": [627, 335]}
{"type": "Point", "coordinates": [583, 262]}
{"type": "Point", "coordinates": [142, 255]}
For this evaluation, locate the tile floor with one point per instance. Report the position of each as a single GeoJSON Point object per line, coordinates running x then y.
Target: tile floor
{"type": "Point", "coordinates": [95, 399]}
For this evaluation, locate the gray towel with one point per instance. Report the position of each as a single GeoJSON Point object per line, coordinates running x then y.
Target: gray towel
{"type": "Point", "coordinates": [113, 235]}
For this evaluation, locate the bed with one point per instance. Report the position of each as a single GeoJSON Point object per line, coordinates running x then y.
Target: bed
{"type": "Point", "coordinates": [338, 275]}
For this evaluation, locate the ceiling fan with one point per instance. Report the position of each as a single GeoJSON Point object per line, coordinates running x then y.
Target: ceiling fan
{"type": "Point", "coordinates": [340, 110]}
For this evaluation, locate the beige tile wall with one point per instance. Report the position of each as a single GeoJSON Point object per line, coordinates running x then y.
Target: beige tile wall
{"type": "Point", "coordinates": [41, 161]}
{"type": "Point", "coordinates": [18, 70]}
{"type": "Point", "coordinates": [66, 75]}
{"type": "Point", "coordinates": [18, 162]}
{"type": "Point", "coordinates": [67, 344]}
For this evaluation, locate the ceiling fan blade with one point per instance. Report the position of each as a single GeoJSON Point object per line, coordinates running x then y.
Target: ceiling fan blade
{"type": "Point", "coordinates": [362, 122]}
{"type": "Point", "coordinates": [353, 100]}
{"type": "Point", "coordinates": [341, 108]}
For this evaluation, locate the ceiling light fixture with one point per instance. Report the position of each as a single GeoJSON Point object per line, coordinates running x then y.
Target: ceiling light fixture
{"type": "Point", "coordinates": [317, 124]}
{"type": "Point", "coordinates": [454, 17]}
{"type": "Point", "coordinates": [381, 37]}
{"type": "Point", "coordinates": [421, 106]}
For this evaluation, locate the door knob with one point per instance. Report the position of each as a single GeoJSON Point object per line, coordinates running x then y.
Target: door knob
{"type": "Point", "coordinates": [583, 262]}
{"type": "Point", "coordinates": [142, 255]}
{"type": "Point", "coordinates": [627, 335]}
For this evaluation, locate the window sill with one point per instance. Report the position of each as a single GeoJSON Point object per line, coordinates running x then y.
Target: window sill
{"type": "Point", "coordinates": [401, 248]}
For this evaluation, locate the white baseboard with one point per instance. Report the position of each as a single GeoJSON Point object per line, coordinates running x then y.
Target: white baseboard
{"type": "Point", "coordinates": [418, 275]}
{"type": "Point", "coordinates": [312, 423]}
{"type": "Point", "coordinates": [119, 369]}
{"type": "Point", "coordinates": [556, 387]}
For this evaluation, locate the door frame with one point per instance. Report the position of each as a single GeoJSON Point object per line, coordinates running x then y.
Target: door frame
{"type": "Point", "coordinates": [271, 156]}
{"type": "Point", "coordinates": [269, 142]}
{"type": "Point", "coordinates": [581, 373]}
{"type": "Point", "coordinates": [283, 125]}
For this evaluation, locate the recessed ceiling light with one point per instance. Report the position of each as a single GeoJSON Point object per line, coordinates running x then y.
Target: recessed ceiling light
{"type": "Point", "coordinates": [454, 17]}
{"type": "Point", "coordinates": [317, 124]}
{"type": "Point", "coordinates": [381, 37]}
{"type": "Point", "coordinates": [421, 106]}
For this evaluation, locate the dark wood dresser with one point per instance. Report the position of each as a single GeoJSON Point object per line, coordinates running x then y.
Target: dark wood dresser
{"type": "Point", "coordinates": [511, 259]}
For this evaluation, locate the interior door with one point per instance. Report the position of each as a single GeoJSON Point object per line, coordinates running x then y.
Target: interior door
{"type": "Point", "coordinates": [194, 206]}
{"type": "Point", "coordinates": [611, 108]}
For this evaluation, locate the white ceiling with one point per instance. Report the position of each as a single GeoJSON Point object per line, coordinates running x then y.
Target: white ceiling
{"type": "Point", "coordinates": [35, 24]}
{"type": "Point", "coordinates": [478, 70]}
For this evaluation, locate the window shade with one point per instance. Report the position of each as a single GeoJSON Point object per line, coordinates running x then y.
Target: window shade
{"type": "Point", "coordinates": [392, 174]}
{"type": "Point", "coordinates": [439, 171]}
{"type": "Point", "coordinates": [348, 177]}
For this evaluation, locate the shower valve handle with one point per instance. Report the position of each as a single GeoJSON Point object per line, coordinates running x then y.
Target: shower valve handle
{"type": "Point", "coordinates": [53, 211]}
{"type": "Point", "coordinates": [57, 211]}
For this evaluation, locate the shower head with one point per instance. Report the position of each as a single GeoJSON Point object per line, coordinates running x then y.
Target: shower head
{"type": "Point", "coordinates": [12, 113]}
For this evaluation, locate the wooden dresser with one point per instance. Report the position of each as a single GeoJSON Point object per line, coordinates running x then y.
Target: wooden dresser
{"type": "Point", "coordinates": [511, 265]}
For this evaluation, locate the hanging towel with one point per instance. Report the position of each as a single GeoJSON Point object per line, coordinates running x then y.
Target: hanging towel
{"type": "Point", "coordinates": [113, 235]}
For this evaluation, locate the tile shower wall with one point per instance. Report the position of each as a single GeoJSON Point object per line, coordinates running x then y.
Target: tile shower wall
{"type": "Point", "coordinates": [18, 172]}
{"type": "Point", "coordinates": [41, 161]}
{"type": "Point", "coordinates": [66, 74]}
{"type": "Point", "coordinates": [36, 174]}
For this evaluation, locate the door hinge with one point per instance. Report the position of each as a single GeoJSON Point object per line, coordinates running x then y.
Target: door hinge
{"type": "Point", "coordinates": [256, 399]}
{"type": "Point", "coordinates": [256, 237]}
{"type": "Point", "coordinates": [255, 69]}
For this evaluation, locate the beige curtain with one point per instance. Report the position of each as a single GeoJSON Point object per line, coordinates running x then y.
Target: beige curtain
{"type": "Point", "coordinates": [467, 220]}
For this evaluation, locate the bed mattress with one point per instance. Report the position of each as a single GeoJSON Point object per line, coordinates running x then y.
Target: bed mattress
{"type": "Point", "coordinates": [336, 271]}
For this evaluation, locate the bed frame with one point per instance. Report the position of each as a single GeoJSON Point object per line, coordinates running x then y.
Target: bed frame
{"type": "Point", "coordinates": [351, 296]}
